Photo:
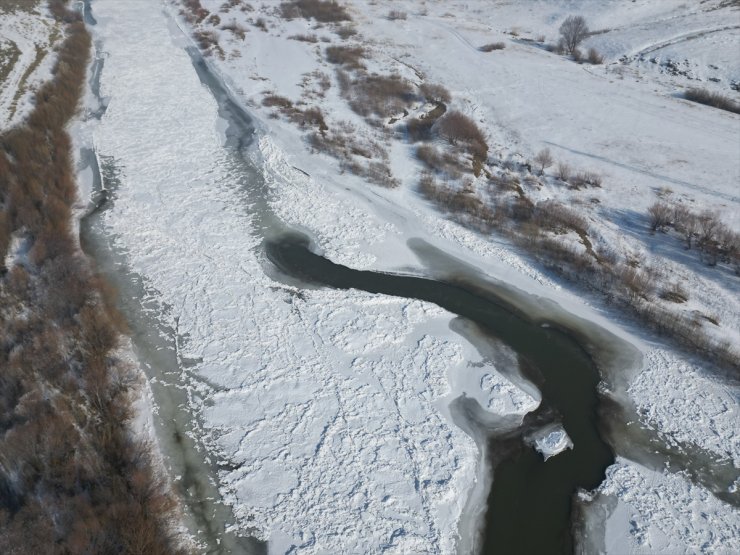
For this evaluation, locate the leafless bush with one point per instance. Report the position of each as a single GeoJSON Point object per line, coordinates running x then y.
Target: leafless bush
{"type": "Point", "coordinates": [275, 100]}
{"type": "Point", "coordinates": [456, 127]}
{"type": "Point", "coordinates": [716, 100]}
{"type": "Point", "coordinates": [660, 216]}
{"type": "Point", "coordinates": [238, 30]}
{"type": "Point", "coordinates": [675, 293]}
{"type": "Point", "coordinates": [435, 93]}
{"type": "Point", "coordinates": [380, 95]}
{"type": "Point", "coordinates": [544, 160]}
{"type": "Point", "coordinates": [573, 31]}
{"type": "Point", "coordinates": [394, 15]}
{"type": "Point", "coordinates": [376, 172]}
{"type": "Point", "coordinates": [553, 216]}
{"type": "Point", "coordinates": [564, 172]}
{"type": "Point", "coordinates": [305, 38]}
{"type": "Point", "coordinates": [195, 11]}
{"type": "Point", "coordinates": [325, 11]}
{"type": "Point", "coordinates": [207, 41]}
{"type": "Point", "coordinates": [443, 163]}
{"type": "Point", "coordinates": [260, 23]}
{"type": "Point", "coordinates": [348, 56]}
{"type": "Point", "coordinates": [420, 128]}
{"type": "Point", "coordinates": [345, 31]}
{"type": "Point", "coordinates": [490, 47]}
{"type": "Point", "coordinates": [594, 57]}
{"type": "Point", "coordinates": [577, 55]}
{"type": "Point", "coordinates": [686, 223]}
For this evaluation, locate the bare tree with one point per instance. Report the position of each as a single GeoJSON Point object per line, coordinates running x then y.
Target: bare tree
{"type": "Point", "coordinates": [573, 30]}
{"type": "Point", "coordinates": [543, 160]}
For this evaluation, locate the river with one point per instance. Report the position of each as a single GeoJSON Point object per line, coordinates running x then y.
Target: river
{"type": "Point", "coordinates": [530, 505]}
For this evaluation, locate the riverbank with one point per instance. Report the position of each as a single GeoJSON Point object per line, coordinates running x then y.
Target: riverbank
{"type": "Point", "coordinates": [74, 474]}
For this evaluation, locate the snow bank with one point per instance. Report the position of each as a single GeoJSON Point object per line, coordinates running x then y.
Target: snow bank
{"type": "Point", "coordinates": [665, 513]}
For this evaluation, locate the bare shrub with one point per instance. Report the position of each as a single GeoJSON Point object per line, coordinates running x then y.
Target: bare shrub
{"type": "Point", "coordinates": [594, 57]}
{"type": "Point", "coordinates": [206, 39]}
{"type": "Point", "coordinates": [260, 23]}
{"type": "Point", "coordinates": [236, 29]}
{"type": "Point", "coordinates": [716, 100]}
{"type": "Point", "coordinates": [305, 38]}
{"type": "Point", "coordinates": [544, 160]}
{"type": "Point", "coordinates": [577, 55]}
{"type": "Point", "coordinates": [660, 216]}
{"type": "Point", "coordinates": [195, 11]}
{"type": "Point", "coordinates": [325, 11]}
{"type": "Point", "coordinates": [573, 32]}
{"type": "Point", "coordinates": [636, 283]}
{"type": "Point", "coordinates": [274, 100]}
{"type": "Point", "coordinates": [395, 15]}
{"type": "Point", "coordinates": [686, 223]}
{"type": "Point", "coordinates": [444, 163]}
{"type": "Point", "coordinates": [564, 171]}
{"type": "Point", "coordinates": [345, 31]}
{"type": "Point", "coordinates": [435, 93]}
{"type": "Point", "coordinates": [456, 127]}
{"type": "Point", "coordinates": [553, 216]}
{"type": "Point", "coordinates": [380, 95]}
{"type": "Point", "coordinates": [675, 294]}
{"type": "Point", "coordinates": [347, 56]}
{"type": "Point", "coordinates": [490, 47]}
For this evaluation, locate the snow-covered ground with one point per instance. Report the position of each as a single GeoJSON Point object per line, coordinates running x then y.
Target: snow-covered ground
{"type": "Point", "coordinates": [331, 407]}
{"type": "Point", "coordinates": [26, 59]}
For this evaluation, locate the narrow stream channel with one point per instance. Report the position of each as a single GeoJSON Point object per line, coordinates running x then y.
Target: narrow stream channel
{"type": "Point", "coordinates": [530, 502]}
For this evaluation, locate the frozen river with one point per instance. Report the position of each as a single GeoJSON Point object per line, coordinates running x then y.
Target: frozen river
{"type": "Point", "coordinates": [322, 419]}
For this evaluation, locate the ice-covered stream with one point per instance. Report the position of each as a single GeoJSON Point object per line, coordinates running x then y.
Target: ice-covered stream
{"type": "Point", "coordinates": [321, 417]}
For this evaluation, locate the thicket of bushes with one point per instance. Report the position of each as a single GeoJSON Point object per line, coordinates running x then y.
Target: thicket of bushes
{"type": "Point", "coordinates": [324, 11]}
{"type": "Point", "coordinates": [714, 240]}
{"type": "Point", "coordinates": [625, 281]}
{"type": "Point", "coordinates": [716, 100]}
{"type": "Point", "coordinates": [72, 477]}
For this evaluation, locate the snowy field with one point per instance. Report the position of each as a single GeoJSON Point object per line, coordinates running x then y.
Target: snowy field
{"type": "Point", "coordinates": [329, 409]}
{"type": "Point", "coordinates": [26, 57]}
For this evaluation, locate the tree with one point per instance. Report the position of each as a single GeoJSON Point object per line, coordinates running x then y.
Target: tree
{"type": "Point", "coordinates": [573, 30]}
{"type": "Point", "coordinates": [543, 160]}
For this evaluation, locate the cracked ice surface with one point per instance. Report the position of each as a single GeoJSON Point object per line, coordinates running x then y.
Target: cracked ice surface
{"type": "Point", "coordinates": [330, 406]}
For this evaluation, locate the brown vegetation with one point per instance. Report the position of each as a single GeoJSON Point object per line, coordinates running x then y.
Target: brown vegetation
{"type": "Point", "coordinates": [325, 11]}
{"type": "Point", "coordinates": [716, 100]}
{"type": "Point", "coordinates": [72, 478]}
{"type": "Point", "coordinates": [348, 56]}
{"type": "Point", "coordinates": [492, 46]}
{"type": "Point", "coordinates": [376, 95]}
{"type": "Point", "coordinates": [395, 15]}
{"type": "Point", "coordinates": [456, 128]}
